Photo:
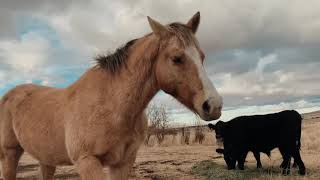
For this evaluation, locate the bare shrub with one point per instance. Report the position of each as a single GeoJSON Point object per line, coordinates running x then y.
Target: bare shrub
{"type": "Point", "coordinates": [199, 137]}
{"type": "Point", "coordinates": [159, 120]}
{"type": "Point", "coordinates": [185, 136]}
{"type": "Point", "coordinates": [172, 132]}
{"type": "Point", "coordinates": [170, 137]}
{"type": "Point", "coordinates": [150, 132]}
{"type": "Point", "coordinates": [199, 132]}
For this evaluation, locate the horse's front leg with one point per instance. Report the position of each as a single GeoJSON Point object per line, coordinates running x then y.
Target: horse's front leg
{"type": "Point", "coordinates": [90, 168]}
{"type": "Point", "coordinates": [122, 172]}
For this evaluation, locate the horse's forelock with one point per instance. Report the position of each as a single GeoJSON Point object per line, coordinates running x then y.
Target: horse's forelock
{"type": "Point", "coordinates": [183, 33]}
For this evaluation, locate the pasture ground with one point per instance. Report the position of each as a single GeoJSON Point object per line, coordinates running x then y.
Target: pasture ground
{"type": "Point", "coordinates": [171, 160]}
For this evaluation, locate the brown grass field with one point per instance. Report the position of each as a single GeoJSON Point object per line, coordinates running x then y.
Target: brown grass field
{"type": "Point", "coordinates": [172, 160]}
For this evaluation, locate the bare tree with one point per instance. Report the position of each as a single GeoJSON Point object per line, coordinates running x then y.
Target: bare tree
{"type": "Point", "coordinates": [159, 121]}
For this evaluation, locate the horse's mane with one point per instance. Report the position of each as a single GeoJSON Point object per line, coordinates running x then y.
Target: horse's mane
{"type": "Point", "coordinates": [114, 61]}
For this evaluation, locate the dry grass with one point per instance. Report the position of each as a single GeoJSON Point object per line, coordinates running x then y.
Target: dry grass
{"type": "Point", "coordinates": [311, 135]}
{"type": "Point", "coordinates": [173, 159]}
{"type": "Point", "coordinates": [176, 140]}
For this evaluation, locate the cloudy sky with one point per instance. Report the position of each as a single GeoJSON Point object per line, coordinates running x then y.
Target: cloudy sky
{"type": "Point", "coordinates": [263, 56]}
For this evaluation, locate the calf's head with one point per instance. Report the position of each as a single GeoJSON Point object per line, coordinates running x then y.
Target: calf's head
{"type": "Point", "coordinates": [224, 148]}
{"type": "Point", "coordinates": [219, 129]}
{"type": "Point", "coordinates": [228, 156]}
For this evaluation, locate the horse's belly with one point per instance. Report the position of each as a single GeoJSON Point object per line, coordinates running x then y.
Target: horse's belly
{"type": "Point", "coordinates": [49, 153]}
{"type": "Point", "coordinates": [49, 156]}
{"type": "Point", "coordinates": [42, 141]}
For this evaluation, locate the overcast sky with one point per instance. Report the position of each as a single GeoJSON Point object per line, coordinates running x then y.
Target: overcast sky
{"type": "Point", "coordinates": [263, 56]}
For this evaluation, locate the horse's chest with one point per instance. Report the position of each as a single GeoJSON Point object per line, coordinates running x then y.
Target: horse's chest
{"type": "Point", "coordinates": [121, 152]}
{"type": "Point", "coordinates": [112, 143]}
{"type": "Point", "coordinates": [125, 148]}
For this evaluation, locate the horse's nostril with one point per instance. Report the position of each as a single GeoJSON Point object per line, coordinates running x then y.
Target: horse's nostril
{"type": "Point", "coordinates": [206, 107]}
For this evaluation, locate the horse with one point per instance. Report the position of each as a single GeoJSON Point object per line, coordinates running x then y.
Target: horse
{"type": "Point", "coordinates": [99, 120]}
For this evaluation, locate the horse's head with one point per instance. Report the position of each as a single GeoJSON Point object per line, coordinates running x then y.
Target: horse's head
{"type": "Point", "coordinates": [179, 68]}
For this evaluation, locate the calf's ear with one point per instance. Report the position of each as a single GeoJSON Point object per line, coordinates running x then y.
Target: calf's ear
{"type": "Point", "coordinates": [211, 126]}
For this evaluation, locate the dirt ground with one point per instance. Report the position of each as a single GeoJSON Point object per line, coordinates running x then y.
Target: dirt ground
{"type": "Point", "coordinates": [174, 161]}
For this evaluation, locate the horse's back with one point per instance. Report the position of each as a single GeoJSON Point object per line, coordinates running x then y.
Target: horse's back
{"type": "Point", "coordinates": [18, 94]}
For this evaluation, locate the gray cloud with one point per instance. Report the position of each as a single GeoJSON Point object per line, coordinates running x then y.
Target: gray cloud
{"type": "Point", "coordinates": [274, 79]}
{"type": "Point", "coordinates": [224, 24]}
{"type": "Point", "coordinates": [239, 39]}
{"type": "Point", "coordinates": [10, 9]}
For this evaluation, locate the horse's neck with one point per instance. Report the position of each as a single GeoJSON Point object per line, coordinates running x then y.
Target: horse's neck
{"type": "Point", "coordinates": [141, 83]}
{"type": "Point", "coordinates": [130, 90]}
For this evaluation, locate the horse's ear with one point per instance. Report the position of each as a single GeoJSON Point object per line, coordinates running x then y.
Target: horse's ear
{"type": "Point", "coordinates": [194, 22]}
{"type": "Point", "coordinates": [157, 28]}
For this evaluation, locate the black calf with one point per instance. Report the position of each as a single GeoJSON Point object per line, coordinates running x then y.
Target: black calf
{"type": "Point", "coordinates": [261, 133]}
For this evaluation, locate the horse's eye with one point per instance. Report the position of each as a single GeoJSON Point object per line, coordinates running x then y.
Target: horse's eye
{"type": "Point", "coordinates": [177, 60]}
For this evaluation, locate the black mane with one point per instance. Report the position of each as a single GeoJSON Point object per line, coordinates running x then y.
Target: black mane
{"type": "Point", "coordinates": [114, 61]}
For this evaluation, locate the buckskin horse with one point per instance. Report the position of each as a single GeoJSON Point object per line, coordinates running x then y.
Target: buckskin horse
{"type": "Point", "coordinates": [99, 120]}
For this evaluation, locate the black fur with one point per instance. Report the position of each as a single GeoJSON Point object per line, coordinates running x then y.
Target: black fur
{"type": "Point", "coordinates": [262, 133]}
